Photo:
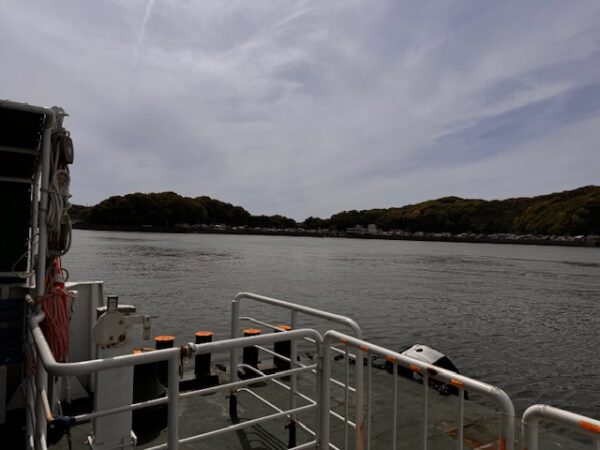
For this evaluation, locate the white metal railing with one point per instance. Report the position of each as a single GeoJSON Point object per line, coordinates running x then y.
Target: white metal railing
{"type": "Point", "coordinates": [357, 398]}
{"type": "Point", "coordinates": [295, 310]}
{"type": "Point", "coordinates": [427, 371]}
{"type": "Point", "coordinates": [38, 404]}
{"type": "Point", "coordinates": [536, 414]}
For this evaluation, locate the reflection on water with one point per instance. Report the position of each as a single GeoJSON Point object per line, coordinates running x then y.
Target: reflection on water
{"type": "Point", "coordinates": [522, 317]}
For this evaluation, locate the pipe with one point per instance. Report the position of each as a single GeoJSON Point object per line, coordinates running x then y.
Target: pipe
{"type": "Point", "coordinates": [83, 367]}
{"type": "Point", "coordinates": [343, 320]}
{"type": "Point", "coordinates": [544, 413]}
{"type": "Point", "coordinates": [173, 393]}
{"type": "Point", "coordinates": [42, 224]}
{"type": "Point", "coordinates": [336, 318]}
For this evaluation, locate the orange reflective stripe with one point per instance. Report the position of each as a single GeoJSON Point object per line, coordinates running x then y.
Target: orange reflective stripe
{"type": "Point", "coordinates": [414, 368]}
{"type": "Point", "coordinates": [391, 358]}
{"type": "Point", "coordinates": [589, 426]}
{"type": "Point", "coordinates": [364, 348]}
{"type": "Point", "coordinates": [457, 383]}
{"type": "Point", "coordinates": [343, 340]}
{"type": "Point", "coordinates": [164, 338]}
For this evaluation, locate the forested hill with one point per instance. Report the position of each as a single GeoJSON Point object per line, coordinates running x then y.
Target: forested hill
{"type": "Point", "coordinates": [575, 212]}
{"type": "Point", "coordinates": [168, 209]}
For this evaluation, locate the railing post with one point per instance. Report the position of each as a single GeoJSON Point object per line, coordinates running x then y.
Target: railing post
{"type": "Point", "coordinates": [530, 434]}
{"type": "Point", "coordinates": [323, 435]}
{"type": "Point", "coordinates": [40, 416]}
{"type": "Point", "coordinates": [235, 325]}
{"type": "Point", "coordinates": [173, 392]}
{"type": "Point", "coordinates": [360, 395]}
{"type": "Point", "coordinates": [293, 361]}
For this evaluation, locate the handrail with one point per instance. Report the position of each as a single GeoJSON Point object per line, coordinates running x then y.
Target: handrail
{"type": "Point", "coordinates": [83, 367]}
{"type": "Point", "coordinates": [577, 423]}
{"type": "Point", "coordinates": [502, 400]}
{"type": "Point", "coordinates": [173, 355]}
{"type": "Point", "coordinates": [314, 312]}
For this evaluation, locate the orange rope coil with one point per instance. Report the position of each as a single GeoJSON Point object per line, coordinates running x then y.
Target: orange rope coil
{"type": "Point", "coordinates": [56, 307]}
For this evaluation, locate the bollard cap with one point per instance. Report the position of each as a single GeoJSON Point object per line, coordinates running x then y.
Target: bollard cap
{"type": "Point", "coordinates": [251, 331]}
{"type": "Point", "coordinates": [164, 338]}
{"type": "Point", "coordinates": [203, 333]}
{"type": "Point", "coordinates": [283, 328]}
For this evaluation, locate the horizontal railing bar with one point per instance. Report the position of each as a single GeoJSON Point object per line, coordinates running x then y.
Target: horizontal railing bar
{"type": "Point", "coordinates": [299, 394]}
{"type": "Point", "coordinates": [333, 380]}
{"type": "Point", "coordinates": [82, 418]}
{"type": "Point", "coordinates": [271, 352]}
{"type": "Point", "coordinates": [335, 349]}
{"type": "Point", "coordinates": [235, 343]}
{"type": "Point", "coordinates": [536, 414]}
{"type": "Point", "coordinates": [237, 426]}
{"type": "Point", "coordinates": [262, 399]}
{"type": "Point", "coordinates": [84, 367]}
{"type": "Point", "coordinates": [244, 383]}
{"type": "Point", "coordinates": [279, 383]}
{"type": "Point", "coordinates": [311, 444]}
{"type": "Point", "coordinates": [260, 322]}
{"type": "Point", "coordinates": [302, 309]}
{"type": "Point", "coordinates": [200, 392]}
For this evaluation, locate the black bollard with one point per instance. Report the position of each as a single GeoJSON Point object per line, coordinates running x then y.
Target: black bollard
{"type": "Point", "coordinates": [283, 348]}
{"type": "Point", "coordinates": [250, 354]}
{"type": "Point", "coordinates": [162, 368]}
{"type": "Point", "coordinates": [233, 413]}
{"type": "Point", "coordinates": [202, 362]}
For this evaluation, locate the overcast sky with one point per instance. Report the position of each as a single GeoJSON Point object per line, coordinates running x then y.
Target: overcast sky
{"type": "Point", "coordinates": [312, 107]}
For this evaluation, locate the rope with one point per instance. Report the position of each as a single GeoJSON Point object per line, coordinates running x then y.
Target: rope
{"type": "Point", "coordinates": [58, 219]}
{"type": "Point", "coordinates": [55, 304]}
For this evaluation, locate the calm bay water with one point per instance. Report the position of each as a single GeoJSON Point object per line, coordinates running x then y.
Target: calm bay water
{"type": "Point", "coordinates": [525, 318]}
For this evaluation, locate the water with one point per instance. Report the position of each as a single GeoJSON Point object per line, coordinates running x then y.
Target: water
{"type": "Point", "coordinates": [525, 318]}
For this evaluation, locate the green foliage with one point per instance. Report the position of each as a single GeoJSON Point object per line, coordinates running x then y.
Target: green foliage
{"type": "Point", "coordinates": [167, 209]}
{"type": "Point", "coordinates": [565, 213]}
{"type": "Point", "coordinates": [570, 212]}
{"type": "Point", "coordinates": [164, 209]}
{"type": "Point", "coordinates": [219, 212]}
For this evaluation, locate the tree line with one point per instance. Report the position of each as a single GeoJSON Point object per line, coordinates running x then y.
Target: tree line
{"type": "Point", "coordinates": [575, 212]}
{"type": "Point", "coordinates": [572, 212]}
{"type": "Point", "coordinates": [168, 209]}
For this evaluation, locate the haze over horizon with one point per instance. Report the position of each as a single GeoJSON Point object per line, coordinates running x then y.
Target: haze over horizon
{"type": "Point", "coordinates": [308, 108]}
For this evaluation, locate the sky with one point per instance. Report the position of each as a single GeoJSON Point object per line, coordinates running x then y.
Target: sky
{"type": "Point", "coordinates": [308, 108]}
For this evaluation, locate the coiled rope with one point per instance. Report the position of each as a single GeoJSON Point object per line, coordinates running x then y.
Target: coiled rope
{"type": "Point", "coordinates": [58, 220]}
{"type": "Point", "coordinates": [56, 304]}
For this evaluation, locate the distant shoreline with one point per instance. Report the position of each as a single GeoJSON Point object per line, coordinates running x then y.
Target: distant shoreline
{"type": "Point", "coordinates": [313, 233]}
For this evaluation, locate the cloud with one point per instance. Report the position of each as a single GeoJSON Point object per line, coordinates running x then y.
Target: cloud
{"type": "Point", "coordinates": [310, 107]}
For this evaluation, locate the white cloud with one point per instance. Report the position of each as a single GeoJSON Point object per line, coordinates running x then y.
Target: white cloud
{"type": "Point", "coordinates": [306, 108]}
